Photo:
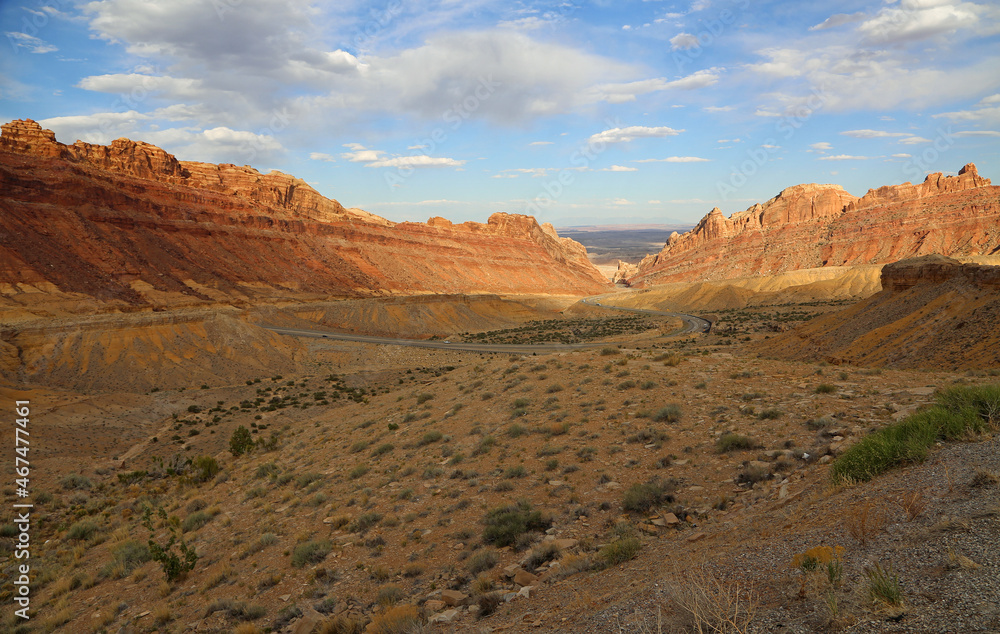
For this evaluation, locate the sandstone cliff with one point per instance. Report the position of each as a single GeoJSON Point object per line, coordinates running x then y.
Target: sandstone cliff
{"type": "Point", "coordinates": [933, 311]}
{"type": "Point", "coordinates": [811, 226]}
{"type": "Point", "coordinates": [126, 226]}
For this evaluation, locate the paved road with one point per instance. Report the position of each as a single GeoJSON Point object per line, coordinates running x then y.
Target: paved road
{"type": "Point", "coordinates": [692, 324]}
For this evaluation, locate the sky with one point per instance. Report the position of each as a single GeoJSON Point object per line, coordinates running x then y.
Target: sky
{"type": "Point", "coordinates": [578, 113]}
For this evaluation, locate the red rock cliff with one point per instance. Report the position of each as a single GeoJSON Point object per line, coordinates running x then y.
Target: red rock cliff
{"type": "Point", "coordinates": [129, 223]}
{"type": "Point", "coordinates": [811, 226]}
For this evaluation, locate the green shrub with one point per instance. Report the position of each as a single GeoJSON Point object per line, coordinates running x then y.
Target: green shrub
{"type": "Point", "coordinates": [175, 565]}
{"type": "Point", "coordinates": [620, 551]}
{"type": "Point", "coordinates": [483, 561]}
{"type": "Point", "coordinates": [771, 413]}
{"type": "Point", "coordinates": [364, 522]}
{"type": "Point", "coordinates": [668, 414]}
{"type": "Point", "coordinates": [205, 468]}
{"type": "Point", "coordinates": [640, 498]}
{"type": "Point", "coordinates": [430, 437]}
{"type": "Point", "coordinates": [75, 481]}
{"type": "Point", "coordinates": [423, 398]}
{"type": "Point", "coordinates": [517, 471]}
{"type": "Point", "coordinates": [358, 471]}
{"type": "Point", "coordinates": [130, 554]}
{"type": "Point", "coordinates": [311, 552]}
{"type": "Point", "coordinates": [241, 441]}
{"type": "Point", "coordinates": [383, 449]}
{"type": "Point", "coordinates": [506, 523]}
{"type": "Point", "coordinates": [84, 529]}
{"type": "Point", "coordinates": [195, 521]}
{"type": "Point", "coordinates": [733, 442]}
{"type": "Point", "coordinates": [826, 388]}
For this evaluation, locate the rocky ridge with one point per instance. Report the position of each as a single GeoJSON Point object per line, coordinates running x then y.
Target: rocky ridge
{"type": "Point", "coordinates": [812, 226]}
{"type": "Point", "coordinates": [933, 311]}
{"type": "Point", "coordinates": [129, 226]}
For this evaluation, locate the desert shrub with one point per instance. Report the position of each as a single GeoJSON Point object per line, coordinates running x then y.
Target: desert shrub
{"type": "Point", "coordinates": [640, 498]}
{"type": "Point", "coordinates": [517, 471]}
{"type": "Point", "coordinates": [365, 522]}
{"type": "Point", "coordinates": [543, 553]}
{"type": "Point", "coordinates": [383, 449]}
{"type": "Point", "coordinates": [668, 414]}
{"type": "Point", "coordinates": [358, 471]}
{"type": "Point", "coordinates": [516, 431]}
{"type": "Point", "coordinates": [733, 442]}
{"type": "Point", "coordinates": [607, 352]}
{"type": "Point", "coordinates": [359, 446]}
{"type": "Point", "coordinates": [483, 561]}
{"type": "Point", "coordinates": [826, 388]}
{"type": "Point", "coordinates": [130, 555]}
{"type": "Point", "coordinates": [175, 564]}
{"type": "Point", "coordinates": [195, 521]}
{"type": "Point", "coordinates": [619, 551]}
{"type": "Point", "coordinates": [430, 437]}
{"type": "Point", "coordinates": [423, 398]}
{"type": "Point", "coordinates": [241, 441]}
{"type": "Point", "coordinates": [389, 595]}
{"type": "Point", "coordinates": [311, 552]}
{"type": "Point", "coordinates": [205, 468]}
{"type": "Point", "coordinates": [506, 523]}
{"type": "Point", "coordinates": [84, 529]}
{"type": "Point", "coordinates": [984, 399]}
{"type": "Point", "coordinates": [771, 413]}
{"type": "Point", "coordinates": [75, 481]}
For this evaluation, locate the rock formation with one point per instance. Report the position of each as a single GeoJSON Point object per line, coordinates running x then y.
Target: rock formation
{"type": "Point", "coordinates": [933, 311]}
{"type": "Point", "coordinates": [810, 226]}
{"type": "Point", "coordinates": [129, 225]}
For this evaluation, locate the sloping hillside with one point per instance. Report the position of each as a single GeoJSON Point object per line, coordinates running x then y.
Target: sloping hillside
{"type": "Point", "coordinates": [932, 312]}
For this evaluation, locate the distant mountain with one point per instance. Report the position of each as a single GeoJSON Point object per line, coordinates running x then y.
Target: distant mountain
{"type": "Point", "coordinates": [812, 226]}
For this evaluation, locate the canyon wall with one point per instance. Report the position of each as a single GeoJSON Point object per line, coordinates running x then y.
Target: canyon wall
{"type": "Point", "coordinates": [811, 226]}
{"type": "Point", "coordinates": [129, 227]}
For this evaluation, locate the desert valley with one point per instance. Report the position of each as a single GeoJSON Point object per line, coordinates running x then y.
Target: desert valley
{"type": "Point", "coordinates": [218, 444]}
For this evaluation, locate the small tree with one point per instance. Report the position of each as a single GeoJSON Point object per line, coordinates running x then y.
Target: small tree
{"type": "Point", "coordinates": [240, 442]}
{"type": "Point", "coordinates": [174, 565]}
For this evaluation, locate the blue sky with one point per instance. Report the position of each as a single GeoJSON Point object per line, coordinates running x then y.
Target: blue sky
{"type": "Point", "coordinates": [578, 113]}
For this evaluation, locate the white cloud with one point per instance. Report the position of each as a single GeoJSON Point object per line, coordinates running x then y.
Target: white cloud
{"type": "Point", "coordinates": [620, 168]}
{"type": "Point", "coordinates": [624, 135]}
{"type": "Point", "coordinates": [974, 133]}
{"type": "Point", "coordinates": [537, 143]}
{"type": "Point", "coordinates": [32, 44]}
{"type": "Point", "coordinates": [322, 156]}
{"type": "Point", "coordinates": [843, 157]}
{"type": "Point", "coordinates": [843, 78]}
{"type": "Point", "coordinates": [901, 155]}
{"type": "Point", "coordinates": [683, 42]}
{"type": "Point", "coordinates": [822, 146]}
{"type": "Point", "coordinates": [622, 202]}
{"type": "Point", "coordinates": [360, 154]}
{"type": "Point", "coordinates": [420, 160]}
{"type": "Point", "coordinates": [915, 20]}
{"type": "Point", "coordinates": [913, 140]}
{"type": "Point", "coordinates": [986, 111]}
{"type": "Point", "coordinates": [626, 92]}
{"type": "Point", "coordinates": [675, 159]}
{"type": "Point", "coordinates": [719, 108]}
{"type": "Point", "coordinates": [838, 19]}
{"type": "Point", "coordinates": [873, 134]}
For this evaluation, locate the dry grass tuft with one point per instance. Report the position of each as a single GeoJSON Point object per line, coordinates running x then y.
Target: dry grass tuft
{"type": "Point", "coordinates": [864, 521]}
{"type": "Point", "coordinates": [913, 504]}
{"type": "Point", "coordinates": [705, 602]}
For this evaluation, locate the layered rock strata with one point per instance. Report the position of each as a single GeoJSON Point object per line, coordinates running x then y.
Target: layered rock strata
{"type": "Point", "coordinates": [811, 226]}
{"type": "Point", "coordinates": [130, 225]}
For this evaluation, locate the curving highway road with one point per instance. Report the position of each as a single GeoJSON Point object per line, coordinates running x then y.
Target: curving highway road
{"type": "Point", "coordinates": [692, 325]}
